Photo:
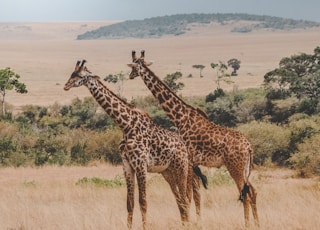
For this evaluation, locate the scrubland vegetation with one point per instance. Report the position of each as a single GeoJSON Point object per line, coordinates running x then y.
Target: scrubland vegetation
{"type": "Point", "coordinates": [281, 120]}
{"type": "Point", "coordinates": [79, 133]}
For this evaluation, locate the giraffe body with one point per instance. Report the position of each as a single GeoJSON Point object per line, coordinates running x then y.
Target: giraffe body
{"type": "Point", "coordinates": [209, 144]}
{"type": "Point", "coordinates": [145, 147]}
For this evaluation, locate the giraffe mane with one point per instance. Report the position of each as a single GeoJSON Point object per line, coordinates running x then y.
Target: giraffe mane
{"type": "Point", "coordinates": [167, 88]}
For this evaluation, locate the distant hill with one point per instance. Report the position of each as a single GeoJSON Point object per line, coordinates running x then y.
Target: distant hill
{"type": "Point", "coordinates": [178, 24]}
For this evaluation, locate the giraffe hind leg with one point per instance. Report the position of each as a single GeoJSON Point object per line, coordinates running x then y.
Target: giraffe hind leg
{"type": "Point", "coordinates": [253, 204]}
{"type": "Point", "coordinates": [248, 196]}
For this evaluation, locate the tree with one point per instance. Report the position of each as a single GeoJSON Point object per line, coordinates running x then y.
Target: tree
{"type": "Point", "coordinates": [222, 74]}
{"type": "Point", "coordinates": [235, 64]}
{"type": "Point", "coordinates": [298, 75]}
{"type": "Point", "coordinates": [116, 78]}
{"type": "Point", "coordinates": [171, 79]}
{"type": "Point", "coordinates": [200, 67]}
{"type": "Point", "coordinates": [9, 81]}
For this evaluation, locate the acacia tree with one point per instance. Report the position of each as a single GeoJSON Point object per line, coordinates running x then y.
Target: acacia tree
{"type": "Point", "coordinates": [9, 81]}
{"type": "Point", "coordinates": [235, 65]}
{"type": "Point", "coordinates": [200, 67]}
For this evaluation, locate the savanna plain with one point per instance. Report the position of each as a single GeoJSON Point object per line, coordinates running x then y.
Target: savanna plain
{"type": "Point", "coordinates": [44, 54]}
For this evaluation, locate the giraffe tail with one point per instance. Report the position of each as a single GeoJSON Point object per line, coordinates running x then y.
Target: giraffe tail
{"type": "Point", "coordinates": [246, 185]}
{"type": "Point", "coordinates": [203, 177]}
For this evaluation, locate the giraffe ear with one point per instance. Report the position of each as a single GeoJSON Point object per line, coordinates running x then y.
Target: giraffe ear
{"type": "Point", "coordinates": [132, 65]}
{"type": "Point", "coordinates": [148, 63]}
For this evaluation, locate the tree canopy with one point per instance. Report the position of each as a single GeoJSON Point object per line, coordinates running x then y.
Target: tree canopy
{"type": "Point", "coordinates": [298, 75]}
{"type": "Point", "coordinates": [9, 81]}
{"type": "Point", "coordinates": [171, 81]}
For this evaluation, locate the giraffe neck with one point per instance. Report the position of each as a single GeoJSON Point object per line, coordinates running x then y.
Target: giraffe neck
{"type": "Point", "coordinates": [120, 111]}
{"type": "Point", "coordinates": [174, 107]}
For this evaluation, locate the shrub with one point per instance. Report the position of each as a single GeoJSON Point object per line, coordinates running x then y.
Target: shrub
{"type": "Point", "coordinates": [7, 148]}
{"type": "Point", "coordinates": [307, 159]}
{"type": "Point", "coordinates": [51, 150]}
{"type": "Point", "coordinates": [220, 112]}
{"type": "Point", "coordinates": [267, 140]}
{"type": "Point", "coordinates": [78, 154]}
{"type": "Point", "coordinates": [105, 145]}
{"type": "Point", "coordinates": [302, 129]}
{"type": "Point", "coordinates": [216, 94]}
{"type": "Point", "coordinates": [118, 181]}
{"type": "Point", "coordinates": [250, 109]}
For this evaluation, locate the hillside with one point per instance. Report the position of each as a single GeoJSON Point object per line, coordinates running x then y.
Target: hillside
{"type": "Point", "coordinates": [180, 24]}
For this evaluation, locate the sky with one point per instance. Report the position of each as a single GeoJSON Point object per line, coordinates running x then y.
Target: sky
{"type": "Point", "coordinates": [120, 10]}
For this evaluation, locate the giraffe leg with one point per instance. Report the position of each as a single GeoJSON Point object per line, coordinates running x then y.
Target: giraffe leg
{"type": "Point", "coordinates": [253, 204]}
{"type": "Point", "coordinates": [182, 183]}
{"type": "Point", "coordinates": [246, 207]}
{"type": "Point", "coordinates": [142, 182]}
{"type": "Point", "coordinates": [179, 190]}
{"type": "Point", "coordinates": [129, 175]}
{"type": "Point", "coordinates": [196, 194]}
{"type": "Point", "coordinates": [237, 173]}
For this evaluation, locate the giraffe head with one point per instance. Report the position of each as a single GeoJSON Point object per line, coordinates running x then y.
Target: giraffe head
{"type": "Point", "coordinates": [138, 65]}
{"type": "Point", "coordinates": [79, 76]}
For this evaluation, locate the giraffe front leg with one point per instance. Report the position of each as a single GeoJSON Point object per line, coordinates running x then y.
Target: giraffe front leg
{"type": "Point", "coordinates": [129, 175]}
{"type": "Point", "coordinates": [142, 182]}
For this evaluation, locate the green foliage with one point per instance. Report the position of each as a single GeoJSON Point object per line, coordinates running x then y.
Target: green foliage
{"type": "Point", "coordinates": [79, 155]}
{"type": "Point", "coordinates": [307, 158]}
{"type": "Point", "coordinates": [179, 24]}
{"type": "Point", "coordinates": [118, 181]}
{"type": "Point", "coordinates": [7, 148]}
{"type": "Point", "coordinates": [268, 141]}
{"type": "Point", "coordinates": [216, 94]}
{"type": "Point", "coordinates": [222, 75]}
{"type": "Point", "coordinates": [9, 80]}
{"type": "Point", "coordinates": [221, 112]}
{"type": "Point", "coordinates": [171, 81]}
{"type": "Point", "coordinates": [50, 150]}
{"type": "Point", "coordinates": [297, 75]}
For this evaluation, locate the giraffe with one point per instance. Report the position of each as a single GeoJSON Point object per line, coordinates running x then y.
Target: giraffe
{"type": "Point", "coordinates": [145, 147]}
{"type": "Point", "coordinates": [210, 144]}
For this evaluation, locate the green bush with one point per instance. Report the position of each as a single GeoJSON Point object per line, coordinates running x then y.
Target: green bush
{"type": "Point", "coordinates": [307, 158]}
{"type": "Point", "coordinates": [79, 155]}
{"type": "Point", "coordinates": [118, 181]}
{"type": "Point", "coordinates": [221, 112]}
{"type": "Point", "coordinates": [8, 147]}
{"type": "Point", "coordinates": [267, 140]}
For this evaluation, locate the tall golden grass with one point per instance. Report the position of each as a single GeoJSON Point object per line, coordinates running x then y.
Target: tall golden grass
{"type": "Point", "coordinates": [48, 198]}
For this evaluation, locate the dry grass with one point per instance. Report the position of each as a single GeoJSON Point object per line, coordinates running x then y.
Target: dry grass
{"type": "Point", "coordinates": [48, 198]}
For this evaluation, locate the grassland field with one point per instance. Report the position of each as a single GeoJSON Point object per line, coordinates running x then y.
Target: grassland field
{"type": "Point", "coordinates": [44, 54]}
